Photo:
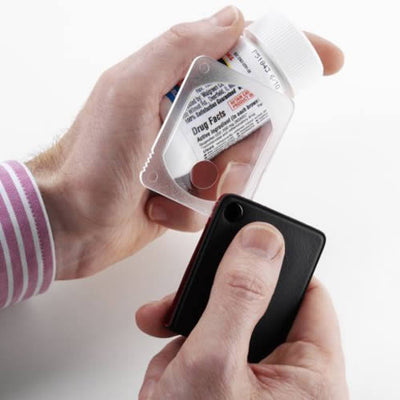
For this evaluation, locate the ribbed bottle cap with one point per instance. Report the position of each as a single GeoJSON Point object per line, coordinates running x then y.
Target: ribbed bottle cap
{"type": "Point", "coordinates": [288, 48]}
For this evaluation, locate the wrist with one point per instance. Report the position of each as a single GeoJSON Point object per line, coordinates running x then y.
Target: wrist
{"type": "Point", "coordinates": [70, 239]}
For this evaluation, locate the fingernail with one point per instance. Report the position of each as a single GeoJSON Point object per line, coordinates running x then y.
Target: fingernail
{"type": "Point", "coordinates": [225, 17]}
{"type": "Point", "coordinates": [263, 239]}
{"type": "Point", "coordinates": [234, 178]}
{"type": "Point", "coordinates": [157, 213]}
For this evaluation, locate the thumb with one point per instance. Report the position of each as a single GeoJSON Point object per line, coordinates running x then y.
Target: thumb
{"type": "Point", "coordinates": [243, 287]}
{"type": "Point", "coordinates": [165, 60]}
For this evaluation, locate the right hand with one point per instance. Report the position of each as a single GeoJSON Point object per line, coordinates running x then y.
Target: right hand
{"type": "Point", "coordinates": [212, 362]}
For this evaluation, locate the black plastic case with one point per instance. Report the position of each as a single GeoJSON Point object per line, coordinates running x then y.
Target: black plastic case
{"type": "Point", "coordinates": [303, 245]}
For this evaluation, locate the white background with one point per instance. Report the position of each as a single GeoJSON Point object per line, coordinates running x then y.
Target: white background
{"type": "Point", "coordinates": [337, 168]}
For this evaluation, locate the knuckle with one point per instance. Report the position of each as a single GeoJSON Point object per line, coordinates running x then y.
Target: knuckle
{"type": "Point", "coordinates": [110, 77]}
{"type": "Point", "coordinates": [156, 361]}
{"type": "Point", "coordinates": [312, 377]}
{"type": "Point", "coordinates": [303, 350]}
{"type": "Point", "coordinates": [120, 86]}
{"type": "Point", "coordinates": [247, 286]}
{"type": "Point", "coordinates": [212, 366]}
{"type": "Point", "coordinates": [306, 354]}
{"type": "Point", "coordinates": [109, 83]}
{"type": "Point", "coordinates": [314, 363]}
{"type": "Point", "coordinates": [300, 384]}
{"type": "Point", "coordinates": [180, 34]}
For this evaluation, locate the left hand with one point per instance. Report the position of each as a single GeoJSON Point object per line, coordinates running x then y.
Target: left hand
{"type": "Point", "coordinates": [99, 211]}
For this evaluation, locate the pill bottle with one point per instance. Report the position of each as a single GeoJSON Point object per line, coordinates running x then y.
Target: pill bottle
{"type": "Point", "coordinates": [273, 51]}
{"type": "Point", "coordinates": [228, 116]}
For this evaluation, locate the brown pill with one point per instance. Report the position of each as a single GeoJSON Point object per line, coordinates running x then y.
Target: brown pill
{"type": "Point", "coordinates": [204, 174]}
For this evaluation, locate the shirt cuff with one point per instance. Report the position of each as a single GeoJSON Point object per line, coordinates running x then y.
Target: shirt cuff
{"type": "Point", "coordinates": [27, 256]}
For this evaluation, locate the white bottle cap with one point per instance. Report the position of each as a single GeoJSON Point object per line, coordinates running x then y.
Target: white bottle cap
{"type": "Point", "coordinates": [288, 48]}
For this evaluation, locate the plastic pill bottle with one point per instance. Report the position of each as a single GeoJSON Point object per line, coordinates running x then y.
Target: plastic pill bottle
{"type": "Point", "coordinates": [273, 51]}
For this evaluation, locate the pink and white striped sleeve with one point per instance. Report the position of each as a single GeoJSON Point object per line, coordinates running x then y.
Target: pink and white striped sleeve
{"type": "Point", "coordinates": [27, 256]}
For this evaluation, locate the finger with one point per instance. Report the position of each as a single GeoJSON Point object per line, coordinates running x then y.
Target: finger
{"type": "Point", "coordinates": [174, 215]}
{"type": "Point", "coordinates": [243, 287]}
{"type": "Point", "coordinates": [237, 162]}
{"type": "Point", "coordinates": [231, 168]}
{"type": "Point", "coordinates": [158, 365]}
{"type": "Point", "coordinates": [316, 321]}
{"type": "Point", "coordinates": [165, 60]}
{"type": "Point", "coordinates": [331, 56]}
{"type": "Point", "coordinates": [150, 317]}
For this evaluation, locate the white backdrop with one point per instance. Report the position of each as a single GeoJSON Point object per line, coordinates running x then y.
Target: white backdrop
{"type": "Point", "coordinates": [337, 168]}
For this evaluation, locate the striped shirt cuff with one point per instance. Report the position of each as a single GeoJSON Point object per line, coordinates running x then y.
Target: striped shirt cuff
{"type": "Point", "coordinates": [27, 256]}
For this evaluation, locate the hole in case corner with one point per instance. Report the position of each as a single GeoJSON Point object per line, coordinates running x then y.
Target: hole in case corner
{"type": "Point", "coordinates": [153, 176]}
{"type": "Point", "coordinates": [234, 212]}
{"type": "Point", "coordinates": [204, 68]}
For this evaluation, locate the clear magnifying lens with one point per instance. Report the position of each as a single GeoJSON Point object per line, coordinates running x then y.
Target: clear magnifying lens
{"type": "Point", "coordinates": [217, 138]}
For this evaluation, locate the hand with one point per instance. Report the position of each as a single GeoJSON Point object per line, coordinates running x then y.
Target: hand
{"type": "Point", "coordinates": [212, 362]}
{"type": "Point", "coordinates": [99, 211]}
